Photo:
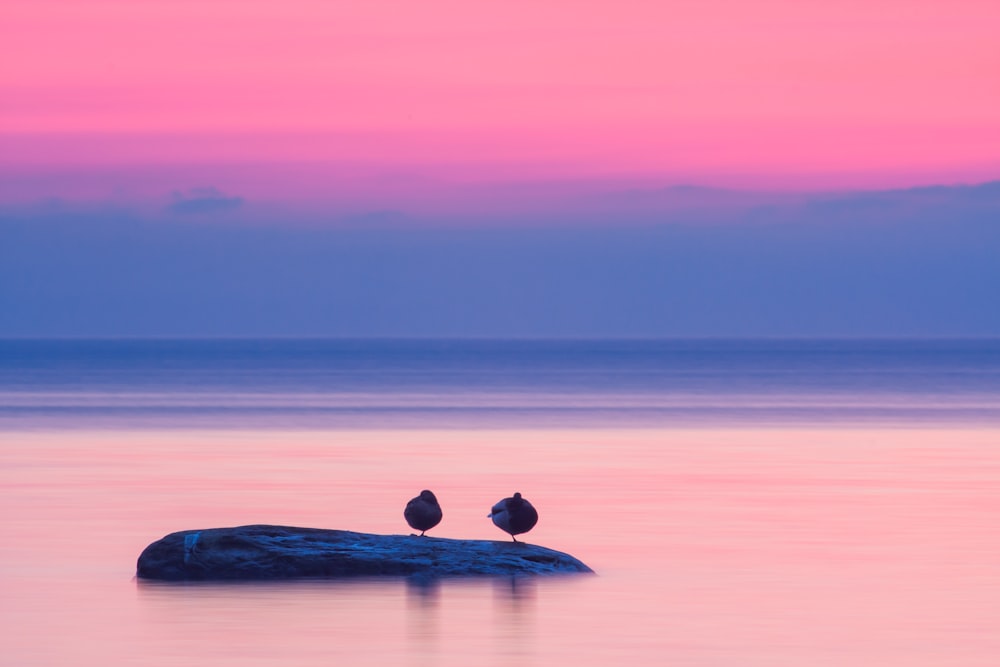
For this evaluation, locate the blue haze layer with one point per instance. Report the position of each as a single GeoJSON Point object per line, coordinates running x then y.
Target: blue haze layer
{"type": "Point", "coordinates": [678, 262]}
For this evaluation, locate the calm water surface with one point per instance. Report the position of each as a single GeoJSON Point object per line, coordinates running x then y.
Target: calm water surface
{"type": "Point", "coordinates": [744, 503]}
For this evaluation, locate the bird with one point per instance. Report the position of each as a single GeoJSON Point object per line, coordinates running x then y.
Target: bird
{"type": "Point", "coordinates": [423, 512]}
{"type": "Point", "coordinates": [514, 515]}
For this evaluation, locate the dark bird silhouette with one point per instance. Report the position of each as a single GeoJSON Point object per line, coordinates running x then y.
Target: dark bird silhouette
{"type": "Point", "coordinates": [514, 515]}
{"type": "Point", "coordinates": [423, 512]}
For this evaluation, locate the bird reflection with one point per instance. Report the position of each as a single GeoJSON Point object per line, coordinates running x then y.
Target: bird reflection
{"type": "Point", "coordinates": [515, 591]}
{"type": "Point", "coordinates": [514, 613]}
{"type": "Point", "coordinates": [423, 602]}
{"type": "Point", "coordinates": [423, 592]}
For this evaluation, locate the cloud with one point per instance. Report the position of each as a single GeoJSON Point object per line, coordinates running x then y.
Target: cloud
{"type": "Point", "coordinates": [985, 192]}
{"type": "Point", "coordinates": [887, 203]}
{"type": "Point", "coordinates": [203, 200]}
{"type": "Point", "coordinates": [694, 204]}
{"type": "Point", "coordinates": [979, 192]}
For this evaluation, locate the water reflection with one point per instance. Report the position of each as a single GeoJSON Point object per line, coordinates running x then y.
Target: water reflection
{"type": "Point", "coordinates": [423, 626]}
{"type": "Point", "coordinates": [423, 592]}
{"type": "Point", "coordinates": [730, 546]}
{"type": "Point", "coordinates": [515, 592]}
{"type": "Point", "coordinates": [514, 607]}
{"type": "Point", "coordinates": [424, 619]}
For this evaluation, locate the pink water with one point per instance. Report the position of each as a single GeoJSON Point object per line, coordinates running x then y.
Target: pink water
{"type": "Point", "coordinates": [784, 546]}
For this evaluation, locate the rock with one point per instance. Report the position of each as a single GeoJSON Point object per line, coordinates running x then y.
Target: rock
{"type": "Point", "coordinates": [283, 552]}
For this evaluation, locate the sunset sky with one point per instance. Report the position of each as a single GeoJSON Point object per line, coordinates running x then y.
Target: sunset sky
{"type": "Point", "coordinates": [496, 115]}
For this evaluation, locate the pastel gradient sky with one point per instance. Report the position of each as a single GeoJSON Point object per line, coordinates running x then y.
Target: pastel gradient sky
{"type": "Point", "coordinates": [635, 167]}
{"type": "Point", "coordinates": [775, 93]}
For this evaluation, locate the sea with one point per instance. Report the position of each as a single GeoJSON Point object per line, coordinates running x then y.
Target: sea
{"type": "Point", "coordinates": [760, 502]}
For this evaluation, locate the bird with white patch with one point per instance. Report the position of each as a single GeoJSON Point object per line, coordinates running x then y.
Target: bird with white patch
{"type": "Point", "coordinates": [514, 515]}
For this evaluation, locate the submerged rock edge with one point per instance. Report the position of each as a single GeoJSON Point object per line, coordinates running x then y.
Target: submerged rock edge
{"type": "Point", "coordinates": [262, 552]}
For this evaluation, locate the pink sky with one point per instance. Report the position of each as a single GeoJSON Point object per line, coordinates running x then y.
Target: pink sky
{"type": "Point", "coordinates": [782, 93]}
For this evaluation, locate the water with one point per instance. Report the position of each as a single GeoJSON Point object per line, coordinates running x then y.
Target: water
{"type": "Point", "coordinates": [323, 383]}
{"type": "Point", "coordinates": [743, 502]}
